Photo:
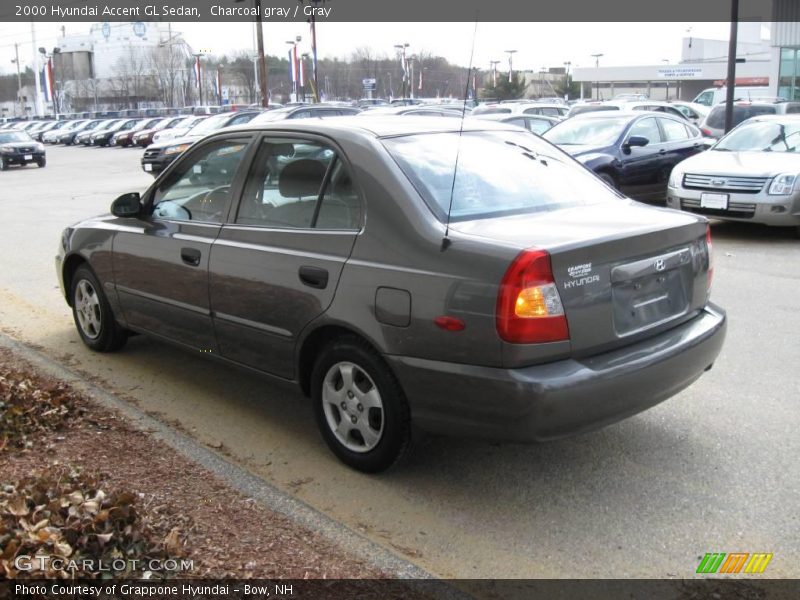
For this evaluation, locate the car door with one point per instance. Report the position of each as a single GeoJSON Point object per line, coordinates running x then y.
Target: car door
{"type": "Point", "coordinates": [276, 263]}
{"type": "Point", "coordinates": [681, 141]}
{"type": "Point", "coordinates": [161, 260]}
{"type": "Point", "coordinates": [640, 164]}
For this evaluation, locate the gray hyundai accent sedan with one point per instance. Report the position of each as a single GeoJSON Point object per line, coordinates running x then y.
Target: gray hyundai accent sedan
{"type": "Point", "coordinates": [407, 276]}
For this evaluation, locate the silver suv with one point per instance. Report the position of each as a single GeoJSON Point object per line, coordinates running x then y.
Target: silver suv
{"type": "Point", "coordinates": [714, 124]}
{"type": "Point", "coordinates": [751, 174]}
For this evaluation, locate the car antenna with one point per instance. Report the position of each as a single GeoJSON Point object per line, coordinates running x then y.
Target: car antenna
{"type": "Point", "coordinates": [446, 240]}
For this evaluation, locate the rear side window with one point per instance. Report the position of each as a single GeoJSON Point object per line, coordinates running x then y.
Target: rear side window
{"type": "Point", "coordinates": [674, 131]}
{"type": "Point", "coordinates": [497, 174]}
{"type": "Point", "coordinates": [793, 108]}
{"type": "Point", "coordinates": [495, 111]}
{"type": "Point", "coordinates": [299, 184]}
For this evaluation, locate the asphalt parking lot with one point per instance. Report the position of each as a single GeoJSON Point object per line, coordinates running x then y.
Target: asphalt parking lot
{"type": "Point", "coordinates": [713, 469]}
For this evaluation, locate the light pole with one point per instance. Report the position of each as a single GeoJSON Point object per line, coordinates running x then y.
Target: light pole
{"type": "Point", "coordinates": [402, 50]}
{"type": "Point", "coordinates": [494, 64]}
{"type": "Point", "coordinates": [199, 75]}
{"type": "Point", "coordinates": [19, 80]}
{"type": "Point", "coordinates": [567, 65]}
{"type": "Point", "coordinates": [597, 66]}
{"type": "Point", "coordinates": [510, 63]}
{"type": "Point", "coordinates": [295, 67]}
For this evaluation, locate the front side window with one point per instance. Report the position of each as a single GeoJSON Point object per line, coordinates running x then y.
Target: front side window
{"type": "Point", "coordinates": [496, 174]}
{"type": "Point", "coordinates": [299, 184]}
{"type": "Point", "coordinates": [592, 131]}
{"type": "Point", "coordinates": [198, 189]}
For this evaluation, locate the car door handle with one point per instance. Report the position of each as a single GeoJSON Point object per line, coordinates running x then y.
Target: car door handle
{"type": "Point", "coordinates": [191, 256]}
{"type": "Point", "coordinates": [314, 277]}
{"type": "Point", "coordinates": [662, 151]}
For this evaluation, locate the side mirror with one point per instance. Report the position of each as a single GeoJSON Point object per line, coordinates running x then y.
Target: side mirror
{"type": "Point", "coordinates": [127, 205]}
{"type": "Point", "coordinates": [637, 140]}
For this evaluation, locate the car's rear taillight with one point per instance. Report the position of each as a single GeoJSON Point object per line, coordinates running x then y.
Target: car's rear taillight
{"type": "Point", "coordinates": [707, 132]}
{"type": "Point", "coordinates": [529, 309]}
{"type": "Point", "coordinates": [709, 248]}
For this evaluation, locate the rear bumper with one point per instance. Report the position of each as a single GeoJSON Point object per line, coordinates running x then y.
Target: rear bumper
{"type": "Point", "coordinates": [558, 399]}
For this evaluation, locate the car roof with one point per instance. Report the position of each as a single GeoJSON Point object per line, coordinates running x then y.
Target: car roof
{"type": "Point", "coordinates": [379, 126]}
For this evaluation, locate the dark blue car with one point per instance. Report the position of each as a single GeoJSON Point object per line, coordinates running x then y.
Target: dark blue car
{"type": "Point", "coordinates": [632, 152]}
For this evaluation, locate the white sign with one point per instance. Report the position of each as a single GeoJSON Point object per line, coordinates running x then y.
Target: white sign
{"type": "Point", "coordinates": [680, 72]}
{"type": "Point", "coordinates": [369, 82]}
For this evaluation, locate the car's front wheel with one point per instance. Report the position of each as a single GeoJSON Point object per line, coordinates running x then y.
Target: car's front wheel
{"type": "Point", "coordinates": [360, 407]}
{"type": "Point", "coordinates": [41, 162]}
{"type": "Point", "coordinates": [92, 313]}
{"type": "Point", "coordinates": [3, 164]}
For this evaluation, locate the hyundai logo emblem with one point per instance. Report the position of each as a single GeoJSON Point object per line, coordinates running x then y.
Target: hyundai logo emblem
{"type": "Point", "coordinates": [659, 264]}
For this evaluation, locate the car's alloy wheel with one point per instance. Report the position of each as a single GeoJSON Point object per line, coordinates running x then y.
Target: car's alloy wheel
{"type": "Point", "coordinates": [92, 313]}
{"type": "Point", "coordinates": [353, 407]}
{"type": "Point", "coordinates": [359, 405]}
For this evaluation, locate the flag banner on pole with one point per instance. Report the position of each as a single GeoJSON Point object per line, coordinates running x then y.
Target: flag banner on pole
{"type": "Point", "coordinates": [302, 72]}
{"type": "Point", "coordinates": [293, 60]}
{"type": "Point", "coordinates": [291, 68]}
{"type": "Point", "coordinates": [47, 80]}
{"type": "Point", "coordinates": [420, 78]}
{"type": "Point", "coordinates": [219, 83]}
{"type": "Point", "coordinates": [313, 50]}
{"type": "Point", "coordinates": [197, 72]}
{"type": "Point", "coordinates": [509, 69]}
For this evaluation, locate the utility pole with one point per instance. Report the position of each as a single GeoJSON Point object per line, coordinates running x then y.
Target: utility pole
{"type": "Point", "coordinates": [19, 81]}
{"type": "Point", "coordinates": [262, 61]}
{"type": "Point", "coordinates": [597, 66]}
{"type": "Point", "coordinates": [729, 91]}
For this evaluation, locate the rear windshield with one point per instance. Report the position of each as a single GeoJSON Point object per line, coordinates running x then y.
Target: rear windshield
{"type": "Point", "coordinates": [498, 173]}
{"type": "Point", "coordinates": [716, 118]}
{"type": "Point", "coordinates": [577, 110]}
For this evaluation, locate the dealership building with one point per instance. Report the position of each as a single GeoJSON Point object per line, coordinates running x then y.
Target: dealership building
{"type": "Point", "coordinates": [768, 55]}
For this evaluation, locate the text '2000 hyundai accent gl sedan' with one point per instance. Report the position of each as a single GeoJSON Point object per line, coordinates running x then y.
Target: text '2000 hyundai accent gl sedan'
{"type": "Point", "coordinates": [406, 275]}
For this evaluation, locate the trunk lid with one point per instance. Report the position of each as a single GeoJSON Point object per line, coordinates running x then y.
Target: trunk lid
{"type": "Point", "coordinates": [624, 271]}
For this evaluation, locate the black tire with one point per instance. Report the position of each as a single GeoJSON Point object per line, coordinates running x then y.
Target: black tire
{"type": "Point", "coordinates": [394, 440]}
{"type": "Point", "coordinates": [608, 179]}
{"type": "Point", "coordinates": [41, 162]}
{"type": "Point", "coordinates": [106, 335]}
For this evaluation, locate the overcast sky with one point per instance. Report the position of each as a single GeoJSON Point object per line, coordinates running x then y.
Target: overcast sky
{"type": "Point", "coordinates": [538, 44]}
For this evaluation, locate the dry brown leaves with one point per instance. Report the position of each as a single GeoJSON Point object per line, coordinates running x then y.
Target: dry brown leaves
{"type": "Point", "coordinates": [64, 514]}
{"type": "Point", "coordinates": [27, 407]}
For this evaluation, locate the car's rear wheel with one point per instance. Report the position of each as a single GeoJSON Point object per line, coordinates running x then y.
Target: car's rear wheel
{"type": "Point", "coordinates": [360, 407]}
{"type": "Point", "coordinates": [92, 313]}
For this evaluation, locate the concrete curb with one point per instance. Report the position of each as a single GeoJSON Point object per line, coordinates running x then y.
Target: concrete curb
{"type": "Point", "coordinates": [239, 478]}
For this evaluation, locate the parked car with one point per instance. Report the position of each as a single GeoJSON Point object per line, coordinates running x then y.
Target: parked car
{"type": "Point", "coordinates": [517, 308]}
{"type": "Point", "coordinates": [632, 152]}
{"type": "Point", "coordinates": [68, 136]}
{"type": "Point", "coordinates": [714, 124]}
{"type": "Point", "coordinates": [19, 148]}
{"type": "Point", "coordinates": [37, 132]}
{"type": "Point", "coordinates": [712, 96]}
{"type": "Point", "coordinates": [750, 175]}
{"type": "Point", "coordinates": [179, 130]}
{"type": "Point", "coordinates": [421, 110]}
{"type": "Point", "coordinates": [160, 154]}
{"type": "Point", "coordinates": [654, 106]}
{"type": "Point", "coordinates": [523, 108]}
{"type": "Point", "coordinates": [307, 111]}
{"type": "Point", "coordinates": [85, 137]}
{"type": "Point", "coordinates": [144, 137]}
{"type": "Point", "coordinates": [124, 137]}
{"type": "Point", "coordinates": [537, 124]}
{"type": "Point", "coordinates": [694, 112]}
{"type": "Point", "coordinates": [104, 136]}
{"type": "Point", "coordinates": [51, 137]}
{"type": "Point", "coordinates": [581, 108]}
